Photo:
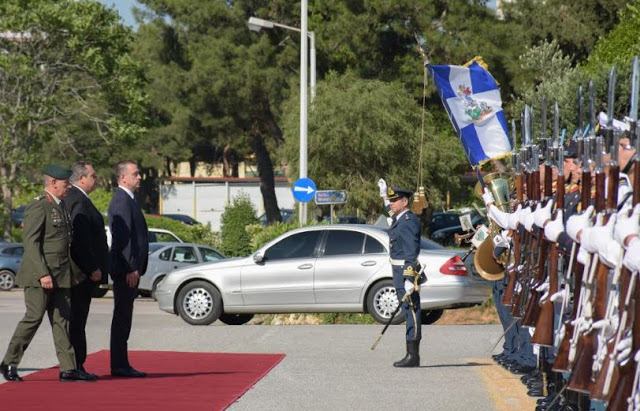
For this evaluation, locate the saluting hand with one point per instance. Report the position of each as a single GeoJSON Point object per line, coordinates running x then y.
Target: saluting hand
{"type": "Point", "coordinates": [133, 278]}
{"type": "Point", "coordinates": [46, 282]}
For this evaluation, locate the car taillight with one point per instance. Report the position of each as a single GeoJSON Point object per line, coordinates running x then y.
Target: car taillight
{"type": "Point", "coordinates": [454, 266]}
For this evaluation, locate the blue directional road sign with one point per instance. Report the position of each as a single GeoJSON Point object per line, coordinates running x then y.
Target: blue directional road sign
{"type": "Point", "coordinates": [324, 197]}
{"type": "Point", "coordinates": [303, 189]}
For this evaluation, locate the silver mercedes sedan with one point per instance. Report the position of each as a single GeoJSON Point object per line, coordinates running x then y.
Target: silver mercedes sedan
{"type": "Point", "coordinates": [327, 268]}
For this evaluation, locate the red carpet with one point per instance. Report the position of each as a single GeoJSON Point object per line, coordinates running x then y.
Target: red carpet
{"type": "Point", "coordinates": [175, 380]}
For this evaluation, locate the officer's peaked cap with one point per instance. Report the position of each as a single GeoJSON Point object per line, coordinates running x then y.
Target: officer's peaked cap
{"type": "Point", "coordinates": [396, 192]}
{"type": "Point", "coordinates": [57, 172]}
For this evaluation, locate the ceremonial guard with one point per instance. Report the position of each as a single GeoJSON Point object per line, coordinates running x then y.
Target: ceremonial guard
{"type": "Point", "coordinates": [45, 275]}
{"type": "Point", "coordinates": [404, 248]}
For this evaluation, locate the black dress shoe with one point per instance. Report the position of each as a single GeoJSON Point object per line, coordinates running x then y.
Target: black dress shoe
{"type": "Point", "coordinates": [76, 375]}
{"type": "Point", "coordinates": [127, 372]}
{"type": "Point", "coordinates": [81, 368]}
{"type": "Point", "coordinates": [10, 372]}
{"type": "Point", "coordinates": [521, 369]}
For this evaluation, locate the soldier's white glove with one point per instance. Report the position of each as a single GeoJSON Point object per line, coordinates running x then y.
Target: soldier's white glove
{"type": "Point", "coordinates": [487, 197]}
{"type": "Point", "coordinates": [560, 296]}
{"type": "Point", "coordinates": [383, 187]}
{"type": "Point", "coordinates": [527, 221]}
{"type": "Point", "coordinates": [583, 256]}
{"type": "Point", "coordinates": [554, 228]}
{"type": "Point", "coordinates": [611, 255]}
{"type": "Point", "coordinates": [632, 257]}
{"type": "Point", "coordinates": [595, 238]}
{"type": "Point", "coordinates": [501, 240]}
{"type": "Point", "coordinates": [626, 226]}
{"type": "Point", "coordinates": [514, 218]}
{"type": "Point", "coordinates": [577, 222]}
{"type": "Point", "coordinates": [607, 327]}
{"type": "Point", "coordinates": [623, 350]}
{"type": "Point", "coordinates": [500, 217]}
{"type": "Point", "coordinates": [524, 214]}
{"type": "Point", "coordinates": [544, 289]}
{"type": "Point", "coordinates": [408, 286]}
{"type": "Point", "coordinates": [542, 214]}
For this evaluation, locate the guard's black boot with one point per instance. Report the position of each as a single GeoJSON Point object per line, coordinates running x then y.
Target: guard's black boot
{"type": "Point", "coordinates": [412, 359]}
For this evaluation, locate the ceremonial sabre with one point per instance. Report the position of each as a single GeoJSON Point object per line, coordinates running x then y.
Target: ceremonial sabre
{"type": "Point", "coordinates": [406, 297]}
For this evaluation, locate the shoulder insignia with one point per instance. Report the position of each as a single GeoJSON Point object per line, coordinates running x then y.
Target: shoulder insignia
{"type": "Point", "coordinates": [406, 216]}
{"type": "Point", "coordinates": [40, 197]}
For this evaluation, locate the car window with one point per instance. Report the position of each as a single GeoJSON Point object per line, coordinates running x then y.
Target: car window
{"type": "Point", "coordinates": [299, 245]}
{"type": "Point", "coordinates": [183, 254]}
{"type": "Point", "coordinates": [18, 251]}
{"type": "Point", "coordinates": [373, 246]}
{"type": "Point", "coordinates": [155, 237]}
{"type": "Point", "coordinates": [166, 254]}
{"type": "Point", "coordinates": [209, 254]}
{"type": "Point", "coordinates": [340, 242]}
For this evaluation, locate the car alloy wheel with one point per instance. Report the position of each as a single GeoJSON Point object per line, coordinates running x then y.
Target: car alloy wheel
{"type": "Point", "coordinates": [382, 302]}
{"type": "Point", "coordinates": [199, 303]}
{"type": "Point", "coordinates": [7, 280]}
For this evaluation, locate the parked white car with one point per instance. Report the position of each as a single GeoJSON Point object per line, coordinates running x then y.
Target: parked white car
{"type": "Point", "coordinates": [333, 268]}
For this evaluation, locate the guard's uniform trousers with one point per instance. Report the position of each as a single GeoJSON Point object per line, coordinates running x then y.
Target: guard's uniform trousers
{"type": "Point", "coordinates": [404, 243]}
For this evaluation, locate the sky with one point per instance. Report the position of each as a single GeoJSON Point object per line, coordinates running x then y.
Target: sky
{"type": "Point", "coordinates": [124, 8]}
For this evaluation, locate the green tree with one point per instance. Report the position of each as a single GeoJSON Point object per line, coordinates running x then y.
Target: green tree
{"type": "Point", "coordinates": [362, 130]}
{"type": "Point", "coordinates": [236, 240]}
{"type": "Point", "coordinates": [69, 87]}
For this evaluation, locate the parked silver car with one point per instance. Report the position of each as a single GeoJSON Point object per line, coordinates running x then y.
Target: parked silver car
{"type": "Point", "coordinates": [333, 268]}
{"type": "Point", "coordinates": [166, 257]}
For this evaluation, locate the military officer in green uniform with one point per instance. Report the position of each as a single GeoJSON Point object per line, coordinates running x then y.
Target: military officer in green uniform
{"type": "Point", "coordinates": [45, 275]}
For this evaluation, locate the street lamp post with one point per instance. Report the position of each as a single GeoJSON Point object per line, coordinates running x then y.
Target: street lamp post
{"type": "Point", "coordinates": [257, 24]}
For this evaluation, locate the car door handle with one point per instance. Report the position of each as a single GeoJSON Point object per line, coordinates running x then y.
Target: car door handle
{"type": "Point", "coordinates": [175, 267]}
{"type": "Point", "coordinates": [305, 266]}
{"type": "Point", "coordinates": [368, 263]}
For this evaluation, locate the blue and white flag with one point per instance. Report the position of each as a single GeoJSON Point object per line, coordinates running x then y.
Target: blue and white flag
{"type": "Point", "coordinates": [472, 99]}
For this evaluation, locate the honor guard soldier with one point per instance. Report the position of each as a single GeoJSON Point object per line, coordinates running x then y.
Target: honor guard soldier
{"type": "Point", "coordinates": [45, 275]}
{"type": "Point", "coordinates": [404, 247]}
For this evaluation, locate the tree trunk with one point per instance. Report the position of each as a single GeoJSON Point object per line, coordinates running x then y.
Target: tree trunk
{"type": "Point", "coordinates": [267, 183]}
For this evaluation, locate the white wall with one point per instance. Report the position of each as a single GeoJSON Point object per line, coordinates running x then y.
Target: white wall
{"type": "Point", "coordinates": [206, 201]}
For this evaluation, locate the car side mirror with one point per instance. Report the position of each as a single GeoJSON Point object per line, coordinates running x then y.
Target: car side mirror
{"type": "Point", "coordinates": [258, 258]}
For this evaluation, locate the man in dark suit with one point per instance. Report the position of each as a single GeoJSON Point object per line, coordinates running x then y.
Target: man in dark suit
{"type": "Point", "coordinates": [45, 274]}
{"type": "Point", "coordinates": [89, 253]}
{"type": "Point", "coordinates": [128, 261]}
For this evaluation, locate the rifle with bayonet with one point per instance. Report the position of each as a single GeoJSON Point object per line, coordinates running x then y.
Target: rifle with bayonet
{"type": "Point", "coordinates": [615, 382]}
{"type": "Point", "coordinates": [576, 269]}
{"type": "Point", "coordinates": [543, 334]}
{"type": "Point", "coordinates": [582, 376]}
{"type": "Point", "coordinates": [532, 308]}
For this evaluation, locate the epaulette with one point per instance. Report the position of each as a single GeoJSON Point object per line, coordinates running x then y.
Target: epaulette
{"type": "Point", "coordinates": [406, 216]}
{"type": "Point", "coordinates": [40, 197]}
{"type": "Point", "coordinates": [573, 187]}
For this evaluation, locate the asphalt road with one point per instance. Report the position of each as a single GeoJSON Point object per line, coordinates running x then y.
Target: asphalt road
{"type": "Point", "coordinates": [328, 367]}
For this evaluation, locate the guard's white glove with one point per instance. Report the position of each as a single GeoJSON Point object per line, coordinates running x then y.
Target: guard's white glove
{"type": "Point", "coordinates": [501, 240]}
{"type": "Point", "coordinates": [577, 222]}
{"type": "Point", "coordinates": [544, 289]}
{"type": "Point", "coordinates": [383, 187]}
{"type": "Point", "coordinates": [607, 327]}
{"type": "Point", "coordinates": [514, 218]}
{"type": "Point", "coordinates": [500, 217]}
{"type": "Point", "coordinates": [611, 255]}
{"type": "Point", "coordinates": [623, 350]}
{"type": "Point", "coordinates": [560, 296]}
{"type": "Point", "coordinates": [524, 214]}
{"type": "Point", "coordinates": [554, 228]}
{"type": "Point", "coordinates": [632, 257]}
{"type": "Point", "coordinates": [487, 197]}
{"type": "Point", "coordinates": [542, 214]}
{"type": "Point", "coordinates": [626, 226]}
{"type": "Point", "coordinates": [594, 239]}
{"type": "Point", "coordinates": [583, 256]}
{"type": "Point", "coordinates": [527, 221]}
{"type": "Point", "coordinates": [408, 286]}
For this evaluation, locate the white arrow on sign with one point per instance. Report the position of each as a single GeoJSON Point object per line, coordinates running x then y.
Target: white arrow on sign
{"type": "Point", "coordinates": [309, 189]}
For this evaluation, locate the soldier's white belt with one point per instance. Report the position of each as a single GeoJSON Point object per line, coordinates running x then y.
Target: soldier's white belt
{"type": "Point", "coordinates": [394, 261]}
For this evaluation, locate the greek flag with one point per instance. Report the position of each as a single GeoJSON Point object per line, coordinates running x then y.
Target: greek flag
{"type": "Point", "coordinates": [472, 100]}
